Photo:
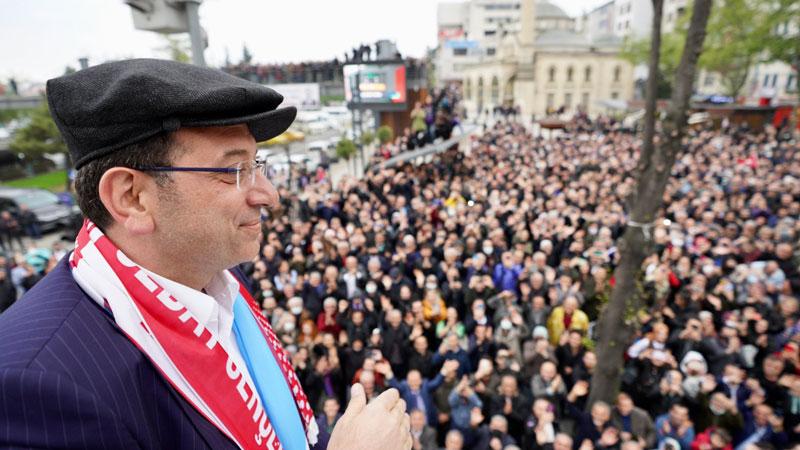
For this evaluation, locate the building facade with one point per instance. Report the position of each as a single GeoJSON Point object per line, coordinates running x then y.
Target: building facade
{"type": "Point", "coordinates": [542, 64]}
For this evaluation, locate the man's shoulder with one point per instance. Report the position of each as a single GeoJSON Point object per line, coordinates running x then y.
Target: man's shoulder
{"type": "Point", "coordinates": [56, 327]}
{"type": "Point", "coordinates": [39, 316]}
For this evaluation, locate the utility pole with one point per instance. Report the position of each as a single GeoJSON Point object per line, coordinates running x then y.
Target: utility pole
{"type": "Point", "coordinates": [195, 32]}
{"type": "Point", "coordinates": [169, 17]}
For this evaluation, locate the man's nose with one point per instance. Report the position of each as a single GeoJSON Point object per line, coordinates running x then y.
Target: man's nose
{"type": "Point", "coordinates": [263, 193]}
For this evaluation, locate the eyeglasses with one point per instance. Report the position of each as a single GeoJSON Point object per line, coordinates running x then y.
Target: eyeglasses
{"type": "Point", "coordinates": [243, 173]}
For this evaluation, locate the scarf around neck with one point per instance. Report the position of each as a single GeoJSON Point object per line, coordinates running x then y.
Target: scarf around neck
{"type": "Point", "coordinates": [189, 355]}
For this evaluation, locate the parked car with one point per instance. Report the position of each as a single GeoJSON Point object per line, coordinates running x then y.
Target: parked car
{"type": "Point", "coordinates": [50, 211]}
{"type": "Point", "coordinates": [315, 122]}
{"type": "Point", "coordinates": [326, 150]}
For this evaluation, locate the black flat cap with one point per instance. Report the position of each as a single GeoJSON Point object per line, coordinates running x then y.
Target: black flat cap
{"type": "Point", "coordinates": [106, 107]}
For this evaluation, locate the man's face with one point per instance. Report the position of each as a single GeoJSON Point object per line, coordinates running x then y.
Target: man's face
{"type": "Point", "coordinates": [414, 380]}
{"type": "Point", "coordinates": [417, 420]}
{"type": "Point", "coordinates": [562, 442]}
{"type": "Point", "coordinates": [508, 386]}
{"type": "Point", "coordinates": [202, 218]}
{"type": "Point", "coordinates": [761, 415]}
{"type": "Point", "coordinates": [421, 344]}
{"type": "Point", "coordinates": [331, 407]}
{"type": "Point", "coordinates": [773, 367]}
{"type": "Point", "coordinates": [678, 415]}
{"type": "Point", "coordinates": [624, 405]}
{"type": "Point", "coordinates": [453, 442]}
{"type": "Point", "coordinates": [547, 371]}
{"type": "Point", "coordinates": [600, 414]}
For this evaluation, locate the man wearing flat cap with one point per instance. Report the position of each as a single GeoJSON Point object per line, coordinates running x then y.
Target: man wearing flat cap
{"type": "Point", "coordinates": [143, 337]}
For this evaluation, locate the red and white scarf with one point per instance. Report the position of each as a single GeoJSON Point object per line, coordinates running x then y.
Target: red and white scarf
{"type": "Point", "coordinates": [187, 354]}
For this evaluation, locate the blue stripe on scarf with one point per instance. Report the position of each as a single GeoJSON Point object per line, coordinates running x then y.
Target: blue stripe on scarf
{"type": "Point", "coordinates": [276, 397]}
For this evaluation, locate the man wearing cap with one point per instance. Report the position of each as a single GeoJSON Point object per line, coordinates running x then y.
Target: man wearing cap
{"type": "Point", "coordinates": [142, 337]}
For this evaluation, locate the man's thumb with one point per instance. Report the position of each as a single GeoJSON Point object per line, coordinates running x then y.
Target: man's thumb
{"type": "Point", "coordinates": [358, 400]}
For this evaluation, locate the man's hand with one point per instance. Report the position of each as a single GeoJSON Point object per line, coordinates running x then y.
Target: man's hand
{"type": "Point", "coordinates": [475, 417]}
{"type": "Point", "coordinates": [451, 365]}
{"type": "Point", "coordinates": [580, 389]}
{"type": "Point", "coordinates": [385, 369]}
{"type": "Point", "coordinates": [383, 423]}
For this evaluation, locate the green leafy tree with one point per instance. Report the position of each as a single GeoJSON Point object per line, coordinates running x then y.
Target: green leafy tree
{"type": "Point", "coordinates": [7, 115]}
{"type": "Point", "coordinates": [39, 136]}
{"type": "Point", "coordinates": [736, 32]}
{"type": "Point", "coordinates": [367, 137]}
{"type": "Point", "coordinates": [177, 49]}
{"type": "Point", "coordinates": [346, 149]}
{"type": "Point", "coordinates": [247, 57]}
{"type": "Point", "coordinates": [783, 41]}
{"type": "Point", "coordinates": [385, 134]}
{"type": "Point", "coordinates": [637, 51]}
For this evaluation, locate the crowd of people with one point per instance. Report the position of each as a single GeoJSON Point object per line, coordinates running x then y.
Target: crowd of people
{"type": "Point", "coordinates": [24, 263]}
{"type": "Point", "coordinates": [472, 284]}
{"type": "Point", "coordinates": [327, 71]}
{"type": "Point", "coordinates": [431, 120]}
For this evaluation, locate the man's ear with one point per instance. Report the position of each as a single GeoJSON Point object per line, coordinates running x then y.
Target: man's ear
{"type": "Point", "coordinates": [130, 197]}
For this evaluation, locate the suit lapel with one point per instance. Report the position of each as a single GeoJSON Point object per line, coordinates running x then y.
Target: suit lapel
{"type": "Point", "coordinates": [208, 432]}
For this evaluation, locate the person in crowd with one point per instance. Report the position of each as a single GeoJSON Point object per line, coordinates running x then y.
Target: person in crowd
{"type": "Point", "coordinates": [423, 435]}
{"type": "Point", "coordinates": [327, 421]}
{"type": "Point", "coordinates": [633, 422]}
{"type": "Point", "coordinates": [565, 318]}
{"type": "Point", "coordinates": [416, 390]}
{"type": "Point", "coordinates": [675, 425]}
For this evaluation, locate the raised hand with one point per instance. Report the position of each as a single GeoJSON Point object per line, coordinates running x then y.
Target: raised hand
{"type": "Point", "coordinates": [381, 424]}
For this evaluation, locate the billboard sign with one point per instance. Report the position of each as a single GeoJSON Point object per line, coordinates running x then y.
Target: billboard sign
{"type": "Point", "coordinates": [303, 96]}
{"type": "Point", "coordinates": [379, 86]}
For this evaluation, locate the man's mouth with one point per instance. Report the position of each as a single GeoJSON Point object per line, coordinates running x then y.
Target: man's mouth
{"type": "Point", "coordinates": [256, 224]}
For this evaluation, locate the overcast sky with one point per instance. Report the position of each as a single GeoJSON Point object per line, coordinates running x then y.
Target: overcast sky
{"type": "Point", "coordinates": [39, 38]}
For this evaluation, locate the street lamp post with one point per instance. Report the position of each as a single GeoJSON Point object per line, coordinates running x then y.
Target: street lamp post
{"type": "Point", "coordinates": [195, 32]}
{"type": "Point", "coordinates": [171, 16]}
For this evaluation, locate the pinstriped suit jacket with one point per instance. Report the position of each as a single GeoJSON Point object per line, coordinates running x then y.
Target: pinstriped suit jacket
{"type": "Point", "coordinates": [70, 379]}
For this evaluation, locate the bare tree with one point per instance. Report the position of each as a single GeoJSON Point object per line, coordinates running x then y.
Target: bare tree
{"type": "Point", "coordinates": [617, 322]}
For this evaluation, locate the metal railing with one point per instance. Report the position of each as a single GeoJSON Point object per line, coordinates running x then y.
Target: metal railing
{"type": "Point", "coordinates": [428, 150]}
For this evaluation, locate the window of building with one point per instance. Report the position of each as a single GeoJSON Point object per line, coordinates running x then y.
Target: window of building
{"type": "Point", "coordinates": [617, 73]}
{"type": "Point", "coordinates": [480, 92]}
{"type": "Point", "coordinates": [615, 95]}
{"type": "Point", "coordinates": [766, 81]}
{"type": "Point", "coordinates": [587, 74]}
{"type": "Point", "coordinates": [774, 79]}
{"type": "Point", "coordinates": [551, 100]}
{"type": "Point", "coordinates": [495, 90]}
{"type": "Point", "coordinates": [570, 71]}
{"type": "Point", "coordinates": [489, 32]}
{"type": "Point", "coordinates": [468, 89]}
{"type": "Point", "coordinates": [791, 84]}
{"type": "Point", "coordinates": [551, 77]}
{"type": "Point", "coordinates": [459, 52]}
{"type": "Point", "coordinates": [709, 80]}
{"type": "Point", "coordinates": [490, 51]}
{"type": "Point", "coordinates": [567, 100]}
